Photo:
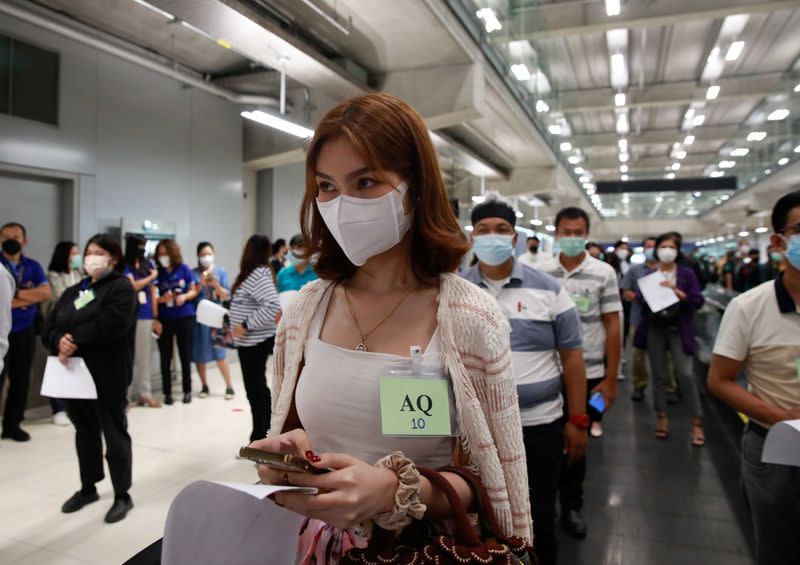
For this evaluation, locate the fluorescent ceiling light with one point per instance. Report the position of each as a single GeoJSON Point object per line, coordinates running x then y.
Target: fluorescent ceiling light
{"type": "Point", "coordinates": [782, 161]}
{"type": "Point", "coordinates": [566, 146]}
{"type": "Point", "coordinates": [585, 178]}
{"type": "Point", "coordinates": [797, 88]}
{"type": "Point", "coordinates": [768, 172]}
{"type": "Point", "coordinates": [612, 7]}
{"type": "Point", "coordinates": [697, 194]}
{"type": "Point", "coordinates": [579, 170]}
{"type": "Point", "coordinates": [520, 71]}
{"type": "Point", "coordinates": [623, 127]}
{"type": "Point", "coordinates": [574, 159]}
{"type": "Point", "coordinates": [623, 145]}
{"type": "Point", "coordinates": [717, 174]}
{"type": "Point", "coordinates": [478, 199]}
{"type": "Point", "coordinates": [688, 140]}
{"type": "Point", "coordinates": [698, 120]}
{"type": "Point", "coordinates": [778, 115]}
{"type": "Point", "coordinates": [588, 185]}
{"type": "Point", "coordinates": [720, 238]}
{"type": "Point", "coordinates": [692, 213]}
{"type": "Point", "coordinates": [554, 129]}
{"type": "Point", "coordinates": [626, 199]}
{"type": "Point", "coordinates": [762, 229]}
{"type": "Point", "coordinates": [739, 152]}
{"type": "Point", "coordinates": [724, 197]}
{"type": "Point", "coordinates": [489, 19]}
{"type": "Point", "coordinates": [155, 9]}
{"type": "Point", "coordinates": [541, 106]}
{"type": "Point", "coordinates": [680, 154]}
{"type": "Point", "coordinates": [712, 93]}
{"type": "Point", "coordinates": [519, 214]}
{"type": "Point", "coordinates": [197, 30]}
{"type": "Point", "coordinates": [676, 166]}
{"type": "Point", "coordinates": [536, 222]}
{"type": "Point", "coordinates": [727, 164]}
{"type": "Point", "coordinates": [734, 51]}
{"type": "Point", "coordinates": [624, 157]}
{"type": "Point", "coordinates": [623, 168]}
{"type": "Point", "coordinates": [590, 191]}
{"type": "Point", "coordinates": [619, 99]}
{"type": "Point", "coordinates": [278, 123]}
{"type": "Point", "coordinates": [624, 178]}
{"type": "Point", "coordinates": [669, 176]}
{"type": "Point", "coordinates": [550, 227]}
{"type": "Point", "coordinates": [797, 149]}
{"type": "Point", "coordinates": [659, 199]}
{"type": "Point", "coordinates": [689, 114]}
{"type": "Point", "coordinates": [756, 136]}
{"type": "Point", "coordinates": [619, 71]}
{"type": "Point", "coordinates": [468, 228]}
{"type": "Point", "coordinates": [744, 233]}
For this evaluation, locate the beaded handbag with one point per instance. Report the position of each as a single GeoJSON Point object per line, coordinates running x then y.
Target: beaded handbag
{"type": "Point", "coordinates": [420, 544]}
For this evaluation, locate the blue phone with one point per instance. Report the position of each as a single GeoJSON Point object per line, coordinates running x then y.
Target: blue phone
{"type": "Point", "coordinates": [598, 402]}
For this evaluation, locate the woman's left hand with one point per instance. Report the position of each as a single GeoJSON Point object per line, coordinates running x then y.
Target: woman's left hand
{"type": "Point", "coordinates": [678, 292]}
{"type": "Point", "coordinates": [180, 300]}
{"type": "Point", "coordinates": [238, 332]}
{"type": "Point", "coordinates": [668, 283]}
{"type": "Point", "coordinates": [350, 494]}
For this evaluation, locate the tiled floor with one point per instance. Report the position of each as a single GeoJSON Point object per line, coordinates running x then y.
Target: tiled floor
{"type": "Point", "coordinates": [648, 502]}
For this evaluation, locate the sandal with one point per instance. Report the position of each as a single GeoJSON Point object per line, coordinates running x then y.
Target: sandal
{"type": "Point", "coordinates": [698, 436]}
{"type": "Point", "coordinates": [662, 427]}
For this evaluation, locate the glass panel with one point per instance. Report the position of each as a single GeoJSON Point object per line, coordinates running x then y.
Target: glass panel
{"type": "Point", "coordinates": [34, 86]}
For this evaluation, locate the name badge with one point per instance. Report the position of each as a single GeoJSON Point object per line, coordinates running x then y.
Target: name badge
{"type": "Point", "coordinates": [582, 302]}
{"type": "Point", "coordinates": [84, 297]}
{"type": "Point", "coordinates": [142, 297]}
{"type": "Point", "coordinates": [415, 407]}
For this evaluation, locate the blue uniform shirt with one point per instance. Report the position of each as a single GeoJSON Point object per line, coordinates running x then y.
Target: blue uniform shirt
{"type": "Point", "coordinates": [143, 297]}
{"type": "Point", "coordinates": [28, 274]}
{"type": "Point", "coordinates": [206, 291]}
{"type": "Point", "coordinates": [290, 279]}
{"type": "Point", "coordinates": [178, 281]}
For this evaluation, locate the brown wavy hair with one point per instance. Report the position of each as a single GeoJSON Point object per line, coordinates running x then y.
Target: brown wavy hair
{"type": "Point", "coordinates": [173, 250]}
{"type": "Point", "coordinates": [388, 135]}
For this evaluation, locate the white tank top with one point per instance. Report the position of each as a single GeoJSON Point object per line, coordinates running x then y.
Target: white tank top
{"type": "Point", "coordinates": [337, 400]}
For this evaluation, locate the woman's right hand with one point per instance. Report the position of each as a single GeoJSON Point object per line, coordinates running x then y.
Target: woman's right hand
{"type": "Point", "coordinates": [166, 297]}
{"type": "Point", "coordinates": [66, 348]}
{"type": "Point", "coordinates": [157, 328]}
{"type": "Point", "coordinates": [295, 442]}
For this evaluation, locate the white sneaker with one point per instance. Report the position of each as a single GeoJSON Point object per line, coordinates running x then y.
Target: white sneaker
{"type": "Point", "coordinates": [61, 419]}
{"type": "Point", "coordinates": [596, 430]}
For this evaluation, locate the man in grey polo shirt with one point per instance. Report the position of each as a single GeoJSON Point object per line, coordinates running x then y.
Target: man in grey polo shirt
{"type": "Point", "coordinates": [594, 289]}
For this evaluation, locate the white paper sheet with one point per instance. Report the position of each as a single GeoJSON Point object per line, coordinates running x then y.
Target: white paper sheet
{"type": "Point", "coordinates": [287, 297]}
{"type": "Point", "coordinates": [783, 444]}
{"type": "Point", "coordinates": [657, 297]}
{"type": "Point", "coordinates": [72, 380]}
{"type": "Point", "coordinates": [263, 491]}
{"type": "Point", "coordinates": [210, 314]}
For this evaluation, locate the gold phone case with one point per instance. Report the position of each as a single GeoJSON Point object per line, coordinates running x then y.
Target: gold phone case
{"type": "Point", "coordinates": [282, 461]}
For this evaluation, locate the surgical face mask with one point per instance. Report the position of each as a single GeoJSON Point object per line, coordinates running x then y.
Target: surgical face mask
{"type": "Point", "coordinates": [776, 256]}
{"type": "Point", "coordinates": [205, 260]}
{"type": "Point", "coordinates": [745, 249]}
{"type": "Point", "coordinates": [571, 246]}
{"type": "Point", "coordinates": [366, 227]}
{"type": "Point", "coordinates": [493, 249]}
{"type": "Point", "coordinates": [96, 266]}
{"type": "Point", "coordinates": [650, 254]}
{"type": "Point", "coordinates": [667, 254]}
{"type": "Point", "coordinates": [164, 261]}
{"type": "Point", "coordinates": [12, 246]}
{"type": "Point", "coordinates": [76, 262]}
{"type": "Point", "coordinates": [792, 253]}
{"type": "Point", "coordinates": [623, 253]}
{"type": "Point", "coordinates": [293, 259]}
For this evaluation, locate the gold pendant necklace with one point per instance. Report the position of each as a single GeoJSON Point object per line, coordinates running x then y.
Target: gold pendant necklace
{"type": "Point", "coordinates": [362, 345]}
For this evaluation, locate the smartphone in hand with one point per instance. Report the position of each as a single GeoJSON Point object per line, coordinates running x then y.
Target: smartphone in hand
{"type": "Point", "coordinates": [598, 402]}
{"type": "Point", "coordinates": [280, 461]}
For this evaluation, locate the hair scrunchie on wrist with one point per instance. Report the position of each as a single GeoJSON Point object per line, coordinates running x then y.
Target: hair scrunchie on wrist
{"type": "Point", "coordinates": [407, 506]}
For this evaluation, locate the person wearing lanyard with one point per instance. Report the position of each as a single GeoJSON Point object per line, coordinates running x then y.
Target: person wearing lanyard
{"type": "Point", "coordinates": [142, 273]}
{"type": "Point", "coordinates": [96, 321]}
{"type": "Point", "coordinates": [32, 289]}
{"type": "Point", "coordinates": [760, 334]}
{"type": "Point", "coordinates": [299, 273]}
{"type": "Point", "coordinates": [376, 215]}
{"type": "Point", "coordinates": [213, 286]}
{"type": "Point", "coordinates": [593, 286]}
{"type": "Point", "coordinates": [546, 356]}
{"type": "Point", "coordinates": [176, 291]}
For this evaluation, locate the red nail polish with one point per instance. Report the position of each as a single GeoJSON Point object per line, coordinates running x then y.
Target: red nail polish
{"type": "Point", "coordinates": [315, 459]}
{"type": "Point", "coordinates": [310, 455]}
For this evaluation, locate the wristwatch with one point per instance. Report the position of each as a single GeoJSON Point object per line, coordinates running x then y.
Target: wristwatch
{"type": "Point", "coordinates": [581, 422]}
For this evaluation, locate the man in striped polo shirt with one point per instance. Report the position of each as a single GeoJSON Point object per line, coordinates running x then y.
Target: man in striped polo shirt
{"type": "Point", "coordinates": [593, 286]}
{"type": "Point", "coordinates": [545, 337]}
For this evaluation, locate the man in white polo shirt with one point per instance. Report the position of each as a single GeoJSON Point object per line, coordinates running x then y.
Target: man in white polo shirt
{"type": "Point", "coordinates": [594, 289]}
{"type": "Point", "coordinates": [760, 332]}
{"type": "Point", "coordinates": [545, 354]}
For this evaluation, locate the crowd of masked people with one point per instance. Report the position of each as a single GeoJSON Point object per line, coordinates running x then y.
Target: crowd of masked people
{"type": "Point", "coordinates": [111, 307]}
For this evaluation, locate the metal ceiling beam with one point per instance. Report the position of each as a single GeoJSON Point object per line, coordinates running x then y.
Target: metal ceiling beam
{"type": "Point", "coordinates": [555, 21]}
{"type": "Point", "coordinates": [665, 94]}
{"type": "Point", "coordinates": [651, 162]}
{"type": "Point", "coordinates": [655, 136]}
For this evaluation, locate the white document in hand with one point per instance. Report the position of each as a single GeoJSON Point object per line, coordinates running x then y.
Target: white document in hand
{"type": "Point", "coordinates": [657, 297]}
{"type": "Point", "coordinates": [72, 380]}
{"type": "Point", "coordinates": [210, 314]}
{"type": "Point", "coordinates": [782, 445]}
{"type": "Point", "coordinates": [261, 491]}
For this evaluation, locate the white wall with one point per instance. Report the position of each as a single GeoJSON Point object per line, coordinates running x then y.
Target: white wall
{"type": "Point", "coordinates": [142, 146]}
{"type": "Point", "coordinates": [288, 186]}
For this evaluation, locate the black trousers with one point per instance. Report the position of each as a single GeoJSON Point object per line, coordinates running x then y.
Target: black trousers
{"type": "Point", "coordinates": [182, 329]}
{"type": "Point", "coordinates": [19, 358]}
{"type": "Point", "coordinates": [253, 361]}
{"type": "Point", "coordinates": [572, 476]}
{"type": "Point", "coordinates": [90, 418]}
{"type": "Point", "coordinates": [543, 447]}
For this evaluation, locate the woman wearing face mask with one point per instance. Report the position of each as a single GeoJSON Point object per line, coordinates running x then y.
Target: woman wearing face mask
{"type": "Point", "coordinates": [213, 286]}
{"type": "Point", "coordinates": [142, 273]}
{"type": "Point", "coordinates": [377, 213]}
{"type": "Point", "coordinates": [673, 329]}
{"type": "Point", "coordinates": [176, 291]}
{"type": "Point", "coordinates": [96, 320]}
{"type": "Point", "coordinates": [63, 272]}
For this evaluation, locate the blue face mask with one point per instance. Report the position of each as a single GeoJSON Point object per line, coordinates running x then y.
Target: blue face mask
{"type": "Point", "coordinates": [293, 259]}
{"type": "Point", "coordinates": [493, 249]}
{"type": "Point", "coordinates": [650, 254]}
{"type": "Point", "coordinates": [792, 253]}
{"type": "Point", "coordinates": [571, 246]}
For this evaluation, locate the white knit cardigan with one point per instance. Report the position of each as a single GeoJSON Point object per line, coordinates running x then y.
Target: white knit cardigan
{"type": "Point", "coordinates": [477, 354]}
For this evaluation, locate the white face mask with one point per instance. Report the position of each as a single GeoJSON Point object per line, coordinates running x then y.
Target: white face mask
{"type": "Point", "coordinates": [667, 254]}
{"type": "Point", "coordinates": [206, 260]}
{"type": "Point", "coordinates": [96, 265]}
{"type": "Point", "coordinates": [623, 253]}
{"type": "Point", "coordinates": [365, 227]}
{"type": "Point", "coordinates": [164, 260]}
